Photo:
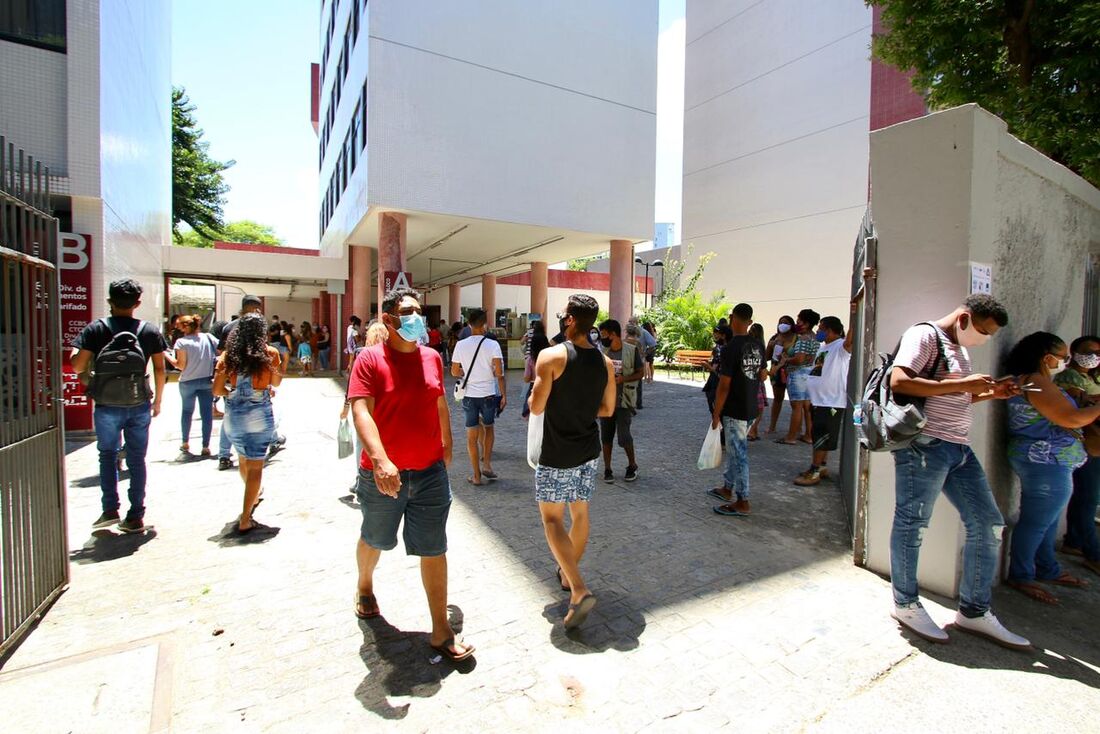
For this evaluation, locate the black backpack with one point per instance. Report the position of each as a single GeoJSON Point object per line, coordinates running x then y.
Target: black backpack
{"type": "Point", "coordinates": [118, 373]}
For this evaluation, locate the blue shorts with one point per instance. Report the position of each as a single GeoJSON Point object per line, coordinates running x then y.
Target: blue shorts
{"type": "Point", "coordinates": [249, 423]}
{"type": "Point", "coordinates": [797, 388]}
{"type": "Point", "coordinates": [565, 485]}
{"type": "Point", "coordinates": [484, 408]}
{"type": "Point", "coordinates": [424, 502]}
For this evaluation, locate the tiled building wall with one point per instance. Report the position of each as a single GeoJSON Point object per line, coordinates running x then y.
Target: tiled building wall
{"type": "Point", "coordinates": [32, 105]}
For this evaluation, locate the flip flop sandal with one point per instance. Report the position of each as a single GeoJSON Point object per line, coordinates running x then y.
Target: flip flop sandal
{"type": "Point", "coordinates": [1035, 592]}
{"type": "Point", "coordinates": [1066, 579]}
{"type": "Point", "coordinates": [579, 612]}
{"type": "Point", "coordinates": [489, 474]}
{"type": "Point", "coordinates": [561, 580]}
{"type": "Point", "coordinates": [367, 601]}
{"type": "Point", "coordinates": [728, 510]}
{"type": "Point", "coordinates": [716, 494]}
{"type": "Point", "coordinates": [785, 442]}
{"type": "Point", "coordinates": [470, 480]}
{"type": "Point", "coordinates": [455, 657]}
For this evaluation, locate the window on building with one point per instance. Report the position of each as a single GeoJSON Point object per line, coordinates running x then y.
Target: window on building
{"type": "Point", "coordinates": [353, 137]}
{"type": "Point", "coordinates": [354, 21]}
{"type": "Point", "coordinates": [34, 22]}
{"type": "Point", "coordinates": [363, 117]}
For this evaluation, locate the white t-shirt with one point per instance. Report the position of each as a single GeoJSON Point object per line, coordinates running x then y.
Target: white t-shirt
{"type": "Point", "coordinates": [828, 380]}
{"type": "Point", "coordinates": [483, 382]}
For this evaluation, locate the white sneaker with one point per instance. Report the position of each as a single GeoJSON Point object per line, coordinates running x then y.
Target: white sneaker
{"type": "Point", "coordinates": [914, 618]}
{"type": "Point", "coordinates": [989, 627]}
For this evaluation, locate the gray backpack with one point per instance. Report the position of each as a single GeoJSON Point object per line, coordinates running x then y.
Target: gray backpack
{"type": "Point", "coordinates": [891, 422]}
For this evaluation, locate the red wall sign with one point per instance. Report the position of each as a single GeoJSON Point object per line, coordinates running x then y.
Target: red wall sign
{"type": "Point", "coordinates": [391, 279]}
{"type": "Point", "coordinates": [76, 311]}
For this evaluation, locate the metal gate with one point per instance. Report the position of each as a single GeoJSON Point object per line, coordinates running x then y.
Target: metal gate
{"type": "Point", "coordinates": [34, 566]}
{"type": "Point", "coordinates": [855, 460]}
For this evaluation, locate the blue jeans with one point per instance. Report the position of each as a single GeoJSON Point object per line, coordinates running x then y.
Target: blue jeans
{"type": "Point", "coordinates": [483, 408]}
{"type": "Point", "coordinates": [201, 390]}
{"type": "Point", "coordinates": [1044, 492]}
{"type": "Point", "coordinates": [1081, 533]}
{"type": "Point", "coordinates": [111, 425]}
{"type": "Point", "coordinates": [322, 357]}
{"type": "Point", "coordinates": [736, 475]}
{"type": "Point", "coordinates": [921, 471]}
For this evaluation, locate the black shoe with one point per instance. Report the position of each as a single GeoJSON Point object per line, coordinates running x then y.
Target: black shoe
{"type": "Point", "coordinates": [132, 525]}
{"type": "Point", "coordinates": [106, 520]}
{"type": "Point", "coordinates": [276, 446]}
{"type": "Point", "coordinates": [631, 473]}
{"type": "Point", "coordinates": [608, 476]}
{"type": "Point", "coordinates": [224, 463]}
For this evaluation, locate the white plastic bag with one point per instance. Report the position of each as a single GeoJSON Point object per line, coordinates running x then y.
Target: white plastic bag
{"type": "Point", "coordinates": [534, 439]}
{"type": "Point", "coordinates": [710, 456]}
{"type": "Point", "coordinates": [344, 445]}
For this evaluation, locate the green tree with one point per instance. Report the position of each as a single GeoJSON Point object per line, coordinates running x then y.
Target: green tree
{"type": "Point", "coordinates": [1036, 65]}
{"type": "Point", "coordinates": [683, 318]}
{"type": "Point", "coordinates": [198, 189]}
{"type": "Point", "coordinates": [244, 230]}
{"type": "Point", "coordinates": [581, 263]}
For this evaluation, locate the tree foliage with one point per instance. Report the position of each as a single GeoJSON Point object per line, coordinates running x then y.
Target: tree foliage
{"type": "Point", "coordinates": [684, 319]}
{"type": "Point", "coordinates": [1036, 65]}
{"type": "Point", "coordinates": [198, 189]}
{"type": "Point", "coordinates": [244, 230]}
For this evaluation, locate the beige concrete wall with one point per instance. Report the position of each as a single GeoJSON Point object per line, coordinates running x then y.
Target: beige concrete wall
{"type": "Point", "coordinates": [518, 298]}
{"type": "Point", "coordinates": [948, 189]}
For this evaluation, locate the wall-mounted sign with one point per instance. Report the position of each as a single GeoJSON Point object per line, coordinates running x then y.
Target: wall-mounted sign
{"type": "Point", "coordinates": [392, 279]}
{"type": "Point", "coordinates": [981, 278]}
{"type": "Point", "coordinates": [76, 311]}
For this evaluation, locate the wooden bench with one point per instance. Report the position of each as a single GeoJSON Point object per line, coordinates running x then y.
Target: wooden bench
{"type": "Point", "coordinates": [690, 358]}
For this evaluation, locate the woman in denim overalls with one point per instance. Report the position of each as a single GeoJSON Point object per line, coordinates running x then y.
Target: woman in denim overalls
{"type": "Point", "coordinates": [245, 374]}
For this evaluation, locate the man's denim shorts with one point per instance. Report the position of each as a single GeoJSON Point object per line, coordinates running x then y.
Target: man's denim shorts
{"type": "Point", "coordinates": [797, 387]}
{"type": "Point", "coordinates": [249, 424]}
{"type": "Point", "coordinates": [565, 485]}
{"type": "Point", "coordinates": [484, 408]}
{"type": "Point", "coordinates": [424, 502]}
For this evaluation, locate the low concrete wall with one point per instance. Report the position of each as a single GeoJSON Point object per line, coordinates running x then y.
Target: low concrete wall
{"type": "Point", "coordinates": [950, 189]}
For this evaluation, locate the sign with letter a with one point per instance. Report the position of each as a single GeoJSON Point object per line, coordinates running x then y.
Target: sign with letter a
{"type": "Point", "coordinates": [392, 279]}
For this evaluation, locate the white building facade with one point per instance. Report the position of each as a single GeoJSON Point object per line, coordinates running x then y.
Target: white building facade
{"type": "Point", "coordinates": [464, 141]}
{"type": "Point", "coordinates": [85, 87]}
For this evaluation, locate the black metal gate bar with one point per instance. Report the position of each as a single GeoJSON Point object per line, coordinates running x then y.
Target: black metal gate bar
{"type": "Point", "coordinates": [33, 540]}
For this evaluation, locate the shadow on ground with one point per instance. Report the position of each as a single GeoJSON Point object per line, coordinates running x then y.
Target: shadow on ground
{"type": "Point", "coordinates": [105, 545]}
{"type": "Point", "coordinates": [230, 537]}
{"type": "Point", "coordinates": [403, 664]}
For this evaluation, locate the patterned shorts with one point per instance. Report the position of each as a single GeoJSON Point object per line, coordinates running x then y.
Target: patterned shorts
{"type": "Point", "coordinates": [565, 485]}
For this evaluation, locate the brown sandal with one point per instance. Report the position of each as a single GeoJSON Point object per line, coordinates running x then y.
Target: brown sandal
{"type": "Point", "coordinates": [561, 580]}
{"type": "Point", "coordinates": [369, 604]}
{"type": "Point", "coordinates": [1067, 579]}
{"type": "Point", "coordinates": [1034, 591]}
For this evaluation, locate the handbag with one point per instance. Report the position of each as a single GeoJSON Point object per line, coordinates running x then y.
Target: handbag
{"type": "Point", "coordinates": [460, 387]}
{"type": "Point", "coordinates": [344, 444]}
{"type": "Point", "coordinates": [710, 456]}
{"type": "Point", "coordinates": [529, 370]}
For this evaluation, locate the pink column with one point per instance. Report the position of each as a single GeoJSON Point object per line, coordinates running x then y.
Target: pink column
{"type": "Point", "coordinates": [392, 228]}
{"type": "Point", "coordinates": [323, 312]}
{"type": "Point", "coordinates": [489, 299]}
{"type": "Point", "coordinates": [315, 310]}
{"type": "Point", "coordinates": [622, 280]}
{"type": "Point", "coordinates": [454, 302]}
{"type": "Point", "coordinates": [539, 280]}
{"type": "Point", "coordinates": [357, 292]}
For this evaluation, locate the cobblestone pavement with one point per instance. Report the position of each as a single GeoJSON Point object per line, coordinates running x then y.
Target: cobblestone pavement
{"type": "Point", "coordinates": [703, 622]}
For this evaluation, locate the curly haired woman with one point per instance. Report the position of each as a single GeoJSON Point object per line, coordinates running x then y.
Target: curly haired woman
{"type": "Point", "coordinates": [245, 374]}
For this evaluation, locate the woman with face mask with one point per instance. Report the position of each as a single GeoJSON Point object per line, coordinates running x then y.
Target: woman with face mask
{"type": "Point", "coordinates": [1082, 381]}
{"type": "Point", "coordinates": [1044, 449]}
{"type": "Point", "coordinates": [777, 346]}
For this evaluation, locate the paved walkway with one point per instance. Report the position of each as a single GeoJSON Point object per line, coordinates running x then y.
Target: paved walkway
{"type": "Point", "coordinates": [757, 624]}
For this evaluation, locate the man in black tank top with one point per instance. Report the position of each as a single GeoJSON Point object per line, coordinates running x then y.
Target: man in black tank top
{"type": "Point", "coordinates": [574, 385]}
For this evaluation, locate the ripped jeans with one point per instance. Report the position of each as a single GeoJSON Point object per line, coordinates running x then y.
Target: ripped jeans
{"type": "Point", "coordinates": [921, 471]}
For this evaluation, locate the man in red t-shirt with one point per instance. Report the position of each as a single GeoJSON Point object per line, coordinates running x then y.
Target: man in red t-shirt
{"type": "Point", "coordinates": [401, 415]}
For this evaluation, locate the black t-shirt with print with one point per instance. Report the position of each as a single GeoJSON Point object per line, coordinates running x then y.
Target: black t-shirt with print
{"type": "Point", "coordinates": [741, 361]}
{"type": "Point", "coordinates": [97, 335]}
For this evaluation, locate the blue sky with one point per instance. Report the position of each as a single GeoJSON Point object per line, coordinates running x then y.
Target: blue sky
{"type": "Point", "coordinates": [245, 65]}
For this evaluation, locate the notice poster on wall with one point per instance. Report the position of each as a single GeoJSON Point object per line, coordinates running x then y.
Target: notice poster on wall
{"type": "Point", "coordinates": [981, 278]}
{"type": "Point", "coordinates": [76, 311]}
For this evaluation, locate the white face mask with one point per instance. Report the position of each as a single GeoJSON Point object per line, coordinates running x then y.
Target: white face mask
{"type": "Point", "coordinates": [784, 328]}
{"type": "Point", "coordinates": [1060, 366]}
{"type": "Point", "coordinates": [968, 336]}
{"type": "Point", "coordinates": [1087, 361]}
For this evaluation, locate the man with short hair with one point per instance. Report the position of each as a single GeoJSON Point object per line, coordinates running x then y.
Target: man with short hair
{"type": "Point", "coordinates": [574, 384]}
{"type": "Point", "coordinates": [128, 421]}
{"type": "Point", "coordinates": [740, 369]}
{"type": "Point", "coordinates": [352, 337]}
{"type": "Point", "coordinates": [480, 360]}
{"type": "Point", "coordinates": [627, 361]}
{"type": "Point", "coordinates": [401, 416]}
{"type": "Point", "coordinates": [828, 388]}
{"type": "Point", "coordinates": [933, 363]}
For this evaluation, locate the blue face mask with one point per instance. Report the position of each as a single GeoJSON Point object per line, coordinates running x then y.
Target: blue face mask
{"type": "Point", "coordinates": [412, 328]}
{"type": "Point", "coordinates": [820, 336]}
